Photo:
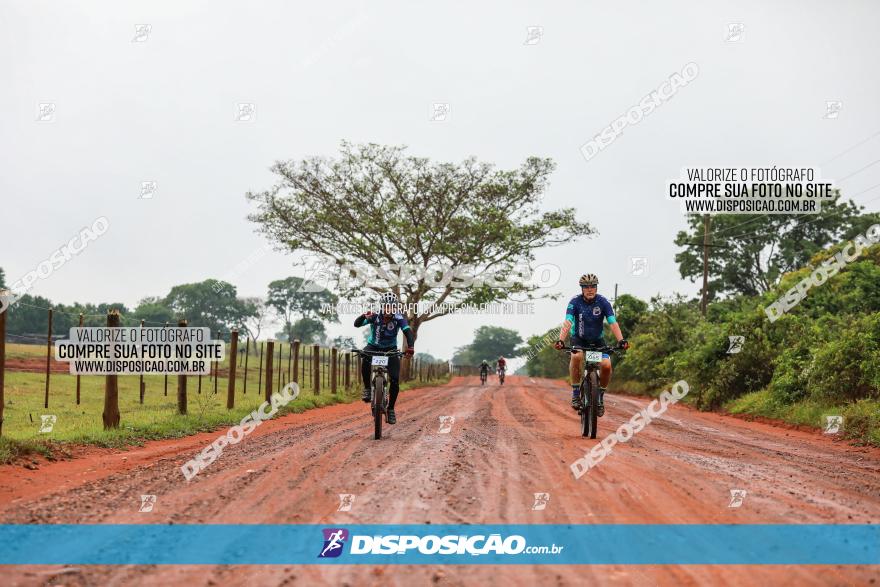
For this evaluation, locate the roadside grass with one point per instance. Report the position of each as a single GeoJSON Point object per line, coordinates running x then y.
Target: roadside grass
{"type": "Point", "coordinates": [861, 420]}
{"type": "Point", "coordinates": [156, 419]}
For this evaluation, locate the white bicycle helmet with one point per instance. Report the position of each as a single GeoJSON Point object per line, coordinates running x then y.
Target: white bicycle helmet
{"type": "Point", "coordinates": [389, 297]}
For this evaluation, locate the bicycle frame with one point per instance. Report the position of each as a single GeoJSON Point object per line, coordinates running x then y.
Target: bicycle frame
{"type": "Point", "coordinates": [590, 384]}
{"type": "Point", "coordinates": [378, 379]}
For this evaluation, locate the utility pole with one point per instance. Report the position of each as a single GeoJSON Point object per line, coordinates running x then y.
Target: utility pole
{"type": "Point", "coordinates": [615, 293]}
{"type": "Point", "coordinates": [705, 294]}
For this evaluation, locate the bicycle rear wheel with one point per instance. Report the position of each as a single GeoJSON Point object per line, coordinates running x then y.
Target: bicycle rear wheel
{"type": "Point", "coordinates": [378, 405]}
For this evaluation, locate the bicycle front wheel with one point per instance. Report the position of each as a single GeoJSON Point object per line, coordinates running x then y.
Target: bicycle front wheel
{"type": "Point", "coordinates": [585, 417]}
{"type": "Point", "coordinates": [378, 405]}
{"type": "Point", "coordinates": [594, 404]}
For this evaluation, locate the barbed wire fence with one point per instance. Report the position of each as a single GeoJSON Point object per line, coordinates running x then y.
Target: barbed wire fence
{"type": "Point", "coordinates": [314, 368]}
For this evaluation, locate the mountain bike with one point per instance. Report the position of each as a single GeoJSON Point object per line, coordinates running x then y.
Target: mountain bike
{"type": "Point", "coordinates": [500, 376]}
{"type": "Point", "coordinates": [379, 380]}
{"type": "Point", "coordinates": [589, 391]}
{"type": "Point", "coordinates": [483, 375]}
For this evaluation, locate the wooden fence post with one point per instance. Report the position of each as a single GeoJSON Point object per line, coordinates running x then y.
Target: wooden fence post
{"type": "Point", "coordinates": [316, 369]}
{"type": "Point", "coordinates": [48, 360]}
{"type": "Point", "coordinates": [247, 348]}
{"type": "Point", "coordinates": [111, 385]}
{"type": "Point", "coordinates": [77, 377]}
{"type": "Point", "coordinates": [260, 369]}
{"type": "Point", "coordinates": [233, 352]}
{"type": "Point", "coordinates": [141, 388]}
{"type": "Point", "coordinates": [280, 362]}
{"type": "Point", "coordinates": [270, 354]}
{"type": "Point", "coordinates": [166, 375]}
{"type": "Point", "coordinates": [289, 361]}
{"type": "Point", "coordinates": [334, 354]}
{"type": "Point", "coordinates": [181, 382]}
{"type": "Point", "coordinates": [295, 352]}
{"type": "Point", "coordinates": [216, 367]}
{"type": "Point", "coordinates": [3, 292]}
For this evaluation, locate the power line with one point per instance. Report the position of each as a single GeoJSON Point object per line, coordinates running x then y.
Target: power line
{"type": "Point", "coordinates": [867, 190]}
{"type": "Point", "coordinates": [860, 170]}
{"type": "Point", "coordinates": [844, 152]}
{"type": "Point", "coordinates": [851, 148]}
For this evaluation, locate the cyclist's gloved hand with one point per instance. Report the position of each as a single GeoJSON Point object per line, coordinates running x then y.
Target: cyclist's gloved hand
{"type": "Point", "coordinates": [558, 345]}
{"type": "Point", "coordinates": [622, 344]}
{"type": "Point", "coordinates": [411, 351]}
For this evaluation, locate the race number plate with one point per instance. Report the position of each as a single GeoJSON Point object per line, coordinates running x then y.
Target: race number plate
{"type": "Point", "coordinates": [593, 356]}
{"type": "Point", "coordinates": [380, 361]}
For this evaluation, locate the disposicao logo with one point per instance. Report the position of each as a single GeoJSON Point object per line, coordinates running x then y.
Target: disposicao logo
{"type": "Point", "coordinates": [334, 540]}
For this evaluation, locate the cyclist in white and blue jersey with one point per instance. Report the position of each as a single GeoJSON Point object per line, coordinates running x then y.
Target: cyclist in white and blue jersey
{"type": "Point", "coordinates": [384, 328]}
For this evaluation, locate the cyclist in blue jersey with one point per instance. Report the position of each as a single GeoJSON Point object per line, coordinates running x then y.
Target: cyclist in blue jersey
{"type": "Point", "coordinates": [584, 319]}
{"type": "Point", "coordinates": [384, 328]}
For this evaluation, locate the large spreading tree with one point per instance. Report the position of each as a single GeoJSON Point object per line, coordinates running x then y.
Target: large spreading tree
{"type": "Point", "coordinates": [379, 207]}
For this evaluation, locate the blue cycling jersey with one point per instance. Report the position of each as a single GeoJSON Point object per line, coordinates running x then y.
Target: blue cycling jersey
{"type": "Point", "coordinates": [587, 317]}
{"type": "Point", "coordinates": [384, 334]}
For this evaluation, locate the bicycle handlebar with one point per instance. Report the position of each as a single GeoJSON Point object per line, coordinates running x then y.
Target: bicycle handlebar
{"type": "Point", "coordinates": [378, 353]}
{"type": "Point", "coordinates": [601, 349]}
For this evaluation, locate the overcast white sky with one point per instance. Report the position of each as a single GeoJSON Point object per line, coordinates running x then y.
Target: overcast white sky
{"type": "Point", "coordinates": [164, 110]}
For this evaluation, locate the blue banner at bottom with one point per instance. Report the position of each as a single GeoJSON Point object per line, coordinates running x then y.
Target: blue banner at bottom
{"type": "Point", "coordinates": [589, 544]}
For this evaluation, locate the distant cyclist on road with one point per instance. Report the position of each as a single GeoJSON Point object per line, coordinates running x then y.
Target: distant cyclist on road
{"type": "Point", "coordinates": [501, 365]}
{"type": "Point", "coordinates": [584, 318]}
{"type": "Point", "coordinates": [484, 368]}
{"type": "Point", "coordinates": [384, 328]}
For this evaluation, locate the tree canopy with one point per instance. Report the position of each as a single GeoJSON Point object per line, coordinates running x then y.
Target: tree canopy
{"type": "Point", "coordinates": [748, 254]}
{"type": "Point", "coordinates": [288, 298]}
{"type": "Point", "coordinates": [490, 342]}
{"type": "Point", "coordinates": [380, 207]}
{"type": "Point", "coordinates": [211, 303]}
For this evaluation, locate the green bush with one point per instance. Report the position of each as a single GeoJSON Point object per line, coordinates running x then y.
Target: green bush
{"type": "Point", "coordinates": [845, 367]}
{"type": "Point", "coordinates": [789, 383]}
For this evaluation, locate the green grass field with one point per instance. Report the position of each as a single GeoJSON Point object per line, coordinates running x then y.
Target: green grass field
{"type": "Point", "coordinates": [156, 418]}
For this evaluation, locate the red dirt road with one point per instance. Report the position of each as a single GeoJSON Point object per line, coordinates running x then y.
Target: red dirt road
{"type": "Point", "coordinates": [505, 445]}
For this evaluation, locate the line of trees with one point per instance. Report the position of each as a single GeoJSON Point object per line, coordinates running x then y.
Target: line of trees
{"type": "Point", "coordinates": [210, 303]}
